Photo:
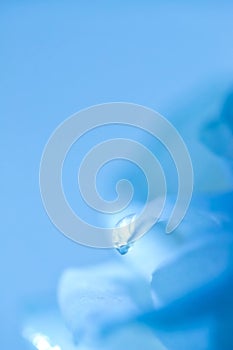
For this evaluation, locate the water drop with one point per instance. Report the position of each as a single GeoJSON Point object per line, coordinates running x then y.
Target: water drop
{"type": "Point", "coordinates": [124, 249]}
{"type": "Point", "coordinates": [122, 238]}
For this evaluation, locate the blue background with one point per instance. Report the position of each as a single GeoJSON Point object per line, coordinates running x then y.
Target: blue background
{"type": "Point", "coordinates": [58, 57]}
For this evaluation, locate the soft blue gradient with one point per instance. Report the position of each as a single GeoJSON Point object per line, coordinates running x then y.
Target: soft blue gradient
{"type": "Point", "coordinates": [60, 56]}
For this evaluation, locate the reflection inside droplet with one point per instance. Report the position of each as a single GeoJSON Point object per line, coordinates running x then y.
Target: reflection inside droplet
{"type": "Point", "coordinates": [124, 249]}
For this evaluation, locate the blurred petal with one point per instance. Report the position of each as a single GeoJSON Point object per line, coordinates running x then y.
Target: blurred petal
{"type": "Point", "coordinates": [91, 297]}
{"type": "Point", "coordinates": [193, 269]}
